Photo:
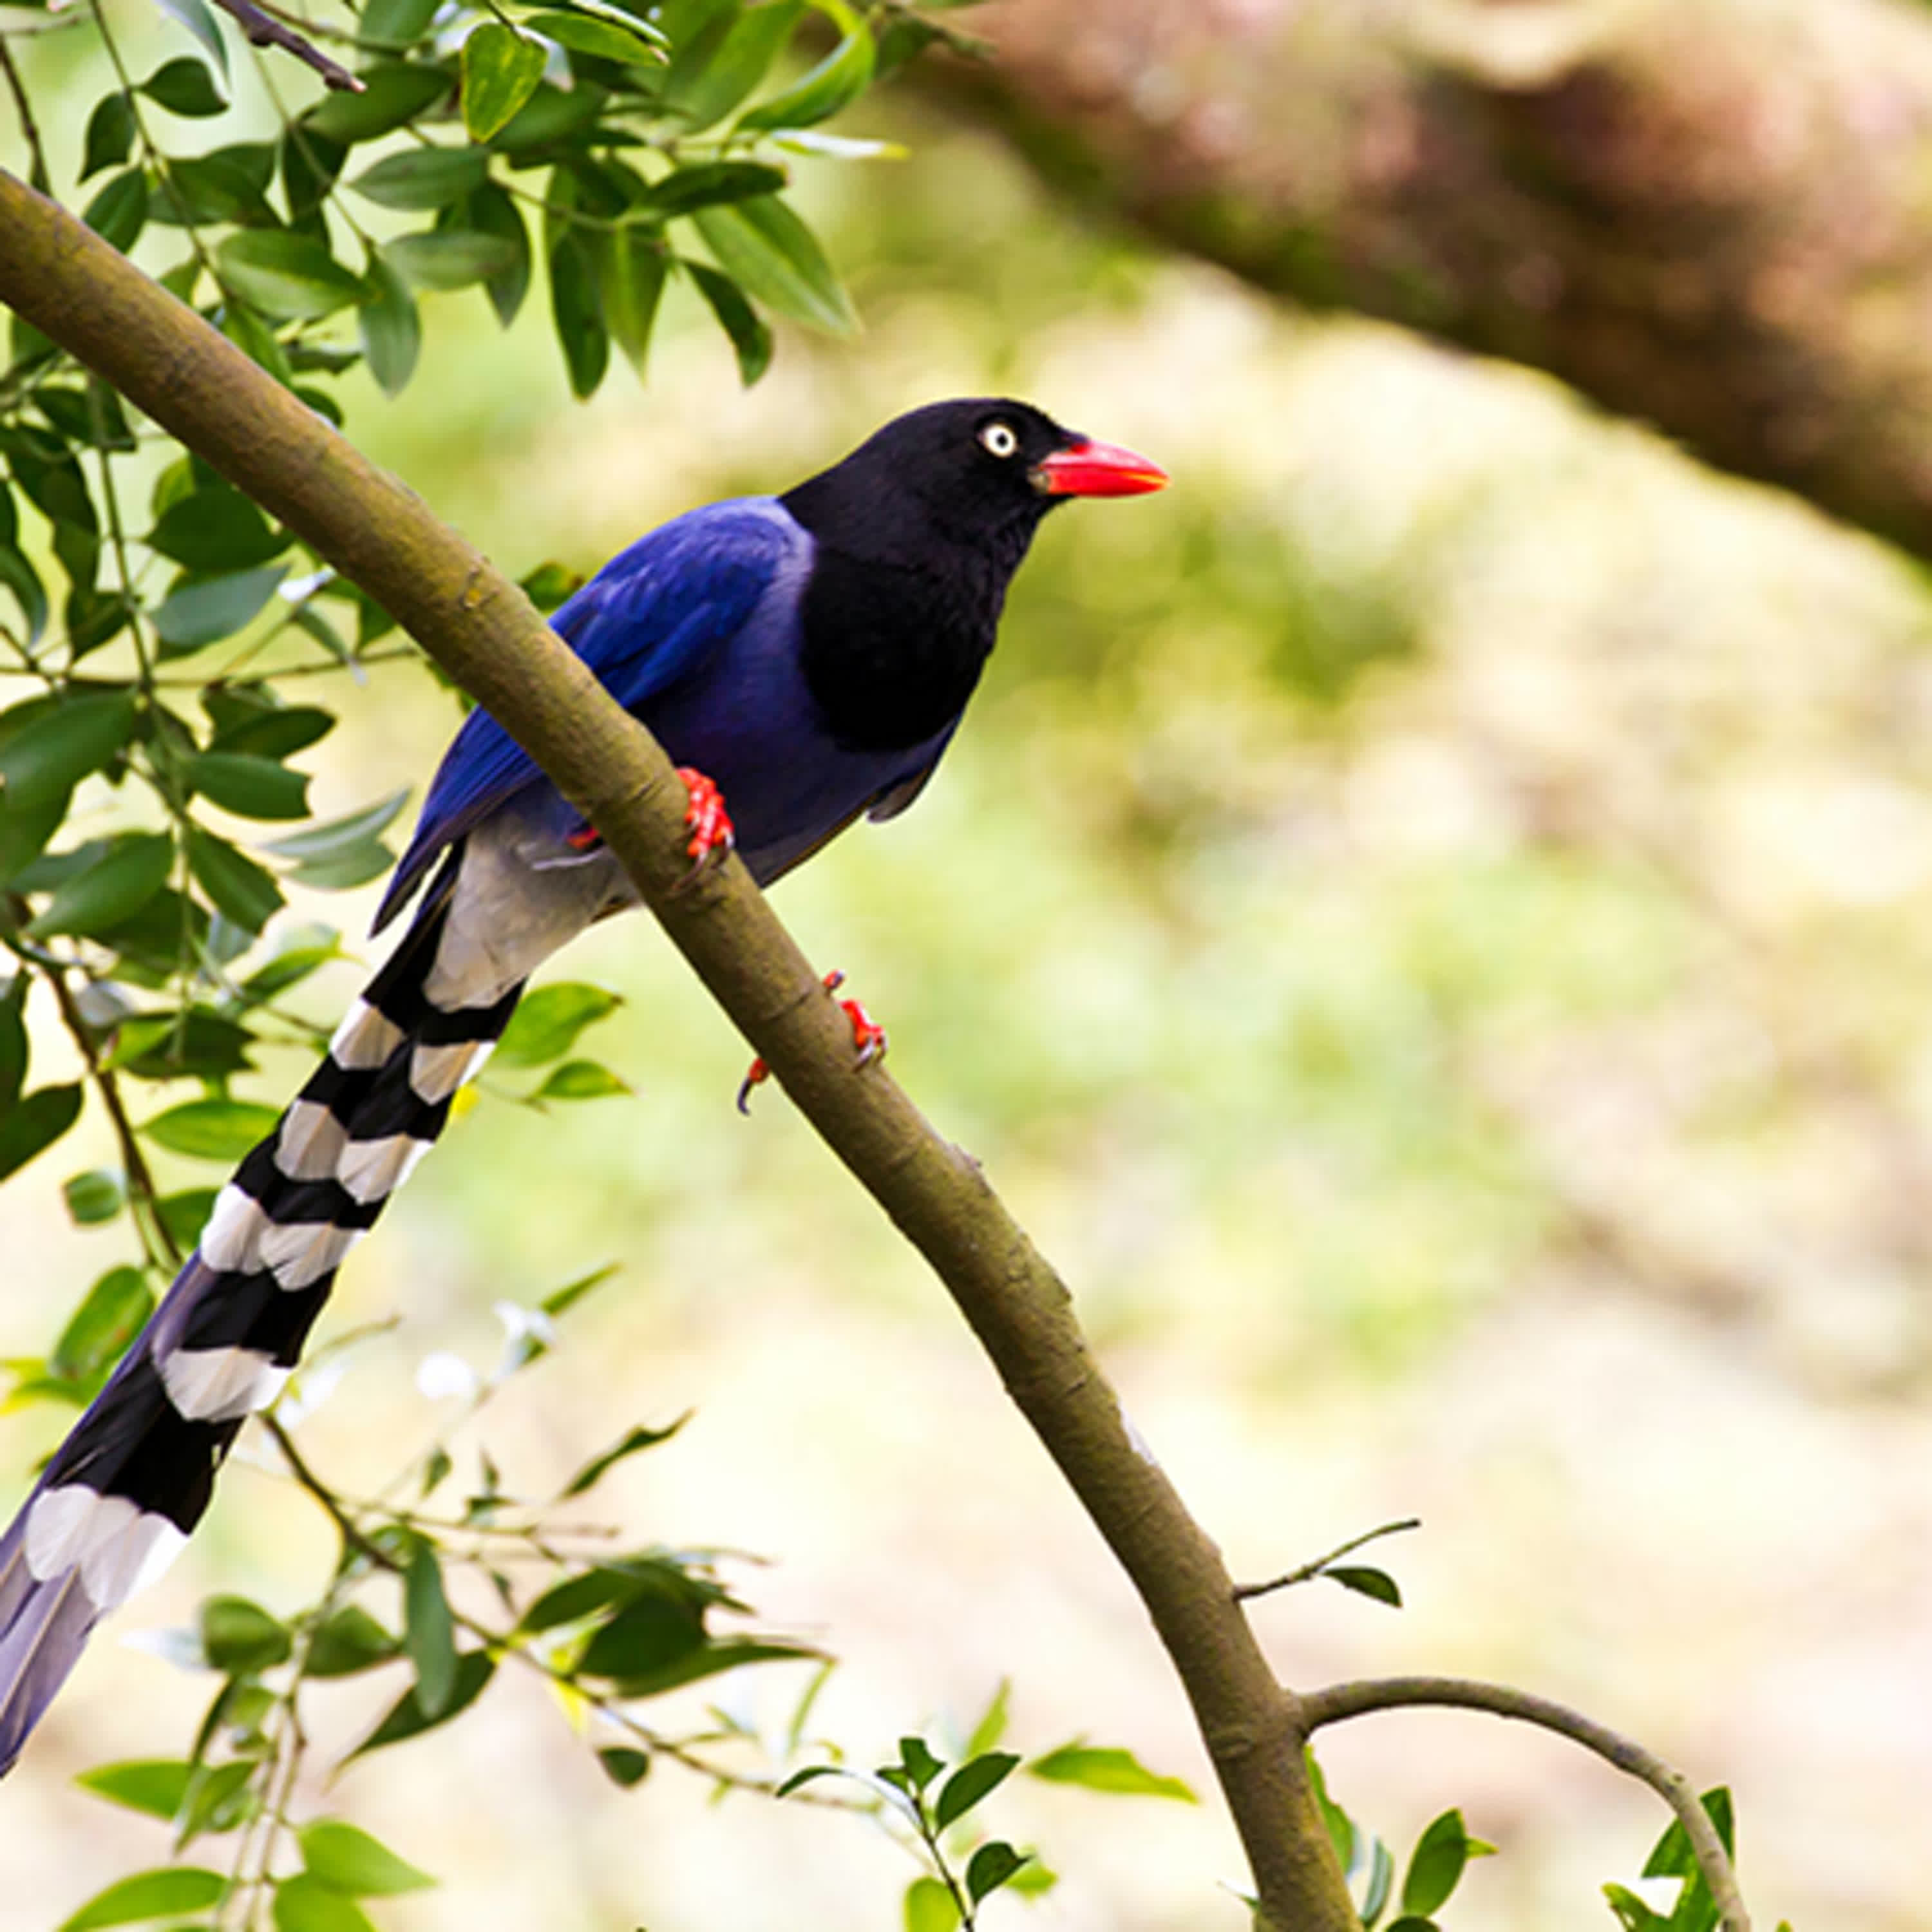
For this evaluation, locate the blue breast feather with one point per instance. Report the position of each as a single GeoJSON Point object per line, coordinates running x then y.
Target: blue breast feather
{"type": "Point", "coordinates": [652, 616]}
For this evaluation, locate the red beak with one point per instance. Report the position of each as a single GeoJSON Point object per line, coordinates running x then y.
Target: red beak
{"type": "Point", "coordinates": [1097, 469]}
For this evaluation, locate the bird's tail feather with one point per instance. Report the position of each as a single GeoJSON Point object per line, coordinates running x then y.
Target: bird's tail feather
{"type": "Point", "coordinates": [118, 1496]}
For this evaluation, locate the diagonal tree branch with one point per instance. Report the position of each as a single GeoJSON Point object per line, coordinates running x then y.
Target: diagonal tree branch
{"type": "Point", "coordinates": [85, 296]}
{"type": "Point", "coordinates": [264, 30]}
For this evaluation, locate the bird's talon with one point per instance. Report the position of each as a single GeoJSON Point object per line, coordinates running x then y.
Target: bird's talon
{"type": "Point", "coordinates": [868, 1036]}
{"type": "Point", "coordinates": [712, 834]}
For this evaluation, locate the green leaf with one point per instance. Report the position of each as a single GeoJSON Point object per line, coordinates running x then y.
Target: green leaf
{"type": "Point", "coordinates": [490, 211]}
{"type": "Point", "coordinates": [750, 337]}
{"type": "Point", "coordinates": [1436, 1865]}
{"type": "Point", "coordinates": [184, 86]}
{"type": "Point", "coordinates": [972, 1782]}
{"type": "Point", "coordinates": [149, 1894]}
{"type": "Point", "coordinates": [119, 212]}
{"type": "Point", "coordinates": [546, 1025]}
{"type": "Point", "coordinates": [201, 610]}
{"type": "Point", "coordinates": [929, 1907]}
{"type": "Point", "coordinates": [429, 1636]}
{"type": "Point", "coordinates": [100, 1328]}
{"type": "Point", "coordinates": [128, 873]}
{"type": "Point", "coordinates": [1632, 1914]}
{"type": "Point", "coordinates": [1381, 1880]}
{"type": "Point", "coordinates": [393, 92]}
{"type": "Point", "coordinates": [155, 1785]}
{"type": "Point", "coordinates": [94, 1197]}
{"type": "Point", "coordinates": [1118, 1771]}
{"type": "Point", "coordinates": [220, 1797]}
{"type": "Point", "coordinates": [551, 119]}
{"type": "Point", "coordinates": [623, 1766]}
{"type": "Point", "coordinates": [289, 276]}
{"type": "Point", "coordinates": [249, 787]}
{"type": "Point", "coordinates": [1671, 1857]}
{"type": "Point", "coordinates": [1366, 1581]}
{"type": "Point", "coordinates": [586, 33]}
{"type": "Point", "coordinates": [834, 83]}
{"type": "Point", "coordinates": [350, 1640]}
{"type": "Point", "coordinates": [577, 313]}
{"type": "Point", "coordinates": [709, 184]}
{"type": "Point", "coordinates": [48, 745]}
{"type": "Point", "coordinates": [239, 889]}
{"type": "Point", "coordinates": [391, 327]}
{"type": "Point", "coordinates": [222, 1130]}
{"type": "Point", "coordinates": [634, 280]}
{"type": "Point", "coordinates": [215, 530]}
{"type": "Point", "coordinates": [917, 1763]}
{"type": "Point", "coordinates": [185, 1214]}
{"type": "Point", "coordinates": [580, 1080]}
{"type": "Point", "coordinates": [110, 134]}
{"type": "Point", "coordinates": [200, 1042]}
{"type": "Point", "coordinates": [311, 164]}
{"type": "Point", "coordinates": [275, 731]}
{"type": "Point", "coordinates": [23, 581]}
{"type": "Point", "coordinates": [776, 258]}
{"type": "Point", "coordinates": [406, 1718]}
{"type": "Point", "coordinates": [13, 1055]}
{"type": "Point", "coordinates": [992, 1725]}
{"type": "Point", "coordinates": [501, 68]}
{"type": "Point", "coordinates": [344, 1856]}
{"type": "Point", "coordinates": [195, 18]}
{"type": "Point", "coordinates": [720, 65]}
{"type": "Point", "coordinates": [424, 177]}
{"type": "Point", "coordinates": [337, 836]}
{"type": "Point", "coordinates": [238, 1637]}
{"type": "Point", "coordinates": [303, 1903]}
{"type": "Point", "coordinates": [638, 1439]}
{"type": "Point", "coordinates": [449, 258]}
{"type": "Point", "coordinates": [396, 23]}
{"type": "Point", "coordinates": [990, 1868]}
{"type": "Point", "coordinates": [200, 189]}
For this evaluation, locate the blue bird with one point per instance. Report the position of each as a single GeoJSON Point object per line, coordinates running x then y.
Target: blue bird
{"type": "Point", "coordinates": [807, 657]}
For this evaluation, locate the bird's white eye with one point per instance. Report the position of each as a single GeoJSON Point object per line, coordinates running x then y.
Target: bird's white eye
{"type": "Point", "coordinates": [997, 439]}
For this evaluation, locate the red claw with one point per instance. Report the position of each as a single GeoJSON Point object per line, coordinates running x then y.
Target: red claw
{"type": "Point", "coordinates": [868, 1036]}
{"type": "Point", "coordinates": [711, 833]}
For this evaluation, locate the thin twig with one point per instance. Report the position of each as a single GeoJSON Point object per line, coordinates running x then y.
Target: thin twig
{"type": "Point", "coordinates": [264, 30]}
{"type": "Point", "coordinates": [1315, 1568]}
{"type": "Point", "coordinates": [29, 128]}
{"type": "Point", "coordinates": [1338, 1701]}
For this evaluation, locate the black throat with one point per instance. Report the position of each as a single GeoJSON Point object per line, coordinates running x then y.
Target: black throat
{"type": "Point", "coordinates": [900, 612]}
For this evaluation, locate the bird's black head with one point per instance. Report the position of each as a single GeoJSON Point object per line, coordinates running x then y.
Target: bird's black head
{"type": "Point", "coordinates": [916, 535]}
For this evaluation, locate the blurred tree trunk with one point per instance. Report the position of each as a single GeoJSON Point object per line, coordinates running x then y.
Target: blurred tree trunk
{"type": "Point", "coordinates": [1713, 214]}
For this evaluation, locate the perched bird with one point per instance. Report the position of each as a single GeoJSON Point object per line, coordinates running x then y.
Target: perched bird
{"type": "Point", "coordinates": [806, 656]}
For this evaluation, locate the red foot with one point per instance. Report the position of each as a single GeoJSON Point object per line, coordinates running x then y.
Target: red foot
{"type": "Point", "coordinates": [868, 1036]}
{"type": "Point", "coordinates": [711, 834]}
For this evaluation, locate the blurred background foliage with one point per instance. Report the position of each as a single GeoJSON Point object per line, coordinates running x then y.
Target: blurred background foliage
{"type": "Point", "coordinates": [1427, 924]}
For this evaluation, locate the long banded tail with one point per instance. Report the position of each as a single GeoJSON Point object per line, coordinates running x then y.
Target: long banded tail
{"type": "Point", "coordinates": [121, 1494]}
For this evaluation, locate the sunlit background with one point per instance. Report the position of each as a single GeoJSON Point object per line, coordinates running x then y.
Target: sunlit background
{"type": "Point", "coordinates": [1427, 924]}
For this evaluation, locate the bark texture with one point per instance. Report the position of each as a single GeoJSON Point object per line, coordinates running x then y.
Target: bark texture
{"type": "Point", "coordinates": [1715, 215]}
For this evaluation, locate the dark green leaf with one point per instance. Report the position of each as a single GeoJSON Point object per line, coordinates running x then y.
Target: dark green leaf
{"type": "Point", "coordinates": [709, 1660]}
{"type": "Point", "coordinates": [96, 1332]}
{"type": "Point", "coordinates": [395, 23]}
{"type": "Point", "coordinates": [238, 1637]}
{"type": "Point", "coordinates": [393, 92]}
{"type": "Point", "coordinates": [834, 83]}
{"type": "Point", "coordinates": [119, 212]}
{"type": "Point", "coordinates": [220, 1797]}
{"type": "Point", "coordinates": [304, 1903]}
{"type": "Point", "coordinates": [972, 1782]}
{"type": "Point", "coordinates": [350, 1640]}
{"type": "Point", "coordinates": [550, 118]}
{"type": "Point", "coordinates": [344, 1856]}
{"type": "Point", "coordinates": [639, 1438]}
{"type": "Point", "coordinates": [276, 732]}
{"type": "Point", "coordinates": [429, 1636]}
{"type": "Point", "coordinates": [1118, 1771]}
{"type": "Point", "coordinates": [424, 177]}
{"type": "Point", "coordinates": [150, 1894]}
{"type": "Point", "coordinates": [290, 276]}
{"type": "Point", "coordinates": [917, 1765]}
{"type": "Point", "coordinates": [546, 1025]}
{"type": "Point", "coordinates": [336, 835]}
{"type": "Point", "coordinates": [624, 1766]}
{"type": "Point", "coordinates": [110, 134]}
{"type": "Point", "coordinates": [576, 311]}
{"type": "Point", "coordinates": [491, 211]}
{"type": "Point", "coordinates": [201, 1043]}
{"type": "Point", "coordinates": [249, 787]}
{"type": "Point", "coordinates": [215, 530]}
{"type": "Point", "coordinates": [587, 34]}
{"type": "Point", "coordinates": [1366, 1581]}
{"type": "Point", "coordinates": [707, 184]}
{"type": "Point", "coordinates": [154, 1785]}
{"type": "Point", "coordinates": [572, 1292]}
{"type": "Point", "coordinates": [310, 163]}
{"type": "Point", "coordinates": [201, 189]}
{"type": "Point", "coordinates": [23, 582]}
{"type": "Point", "coordinates": [929, 1907]}
{"type": "Point", "coordinates": [776, 258]}
{"type": "Point", "coordinates": [407, 1718]}
{"type": "Point", "coordinates": [201, 610]}
{"type": "Point", "coordinates": [750, 337]}
{"type": "Point", "coordinates": [720, 65]}
{"type": "Point", "coordinates": [650, 1633]}
{"type": "Point", "coordinates": [94, 1197]}
{"type": "Point", "coordinates": [239, 889]}
{"type": "Point", "coordinates": [184, 86]}
{"type": "Point", "coordinates": [634, 280]}
{"type": "Point", "coordinates": [128, 873]}
{"type": "Point", "coordinates": [193, 15]}
{"type": "Point", "coordinates": [391, 327]}
{"type": "Point", "coordinates": [990, 1868]}
{"type": "Point", "coordinates": [1671, 1857]}
{"type": "Point", "coordinates": [221, 1130]}
{"type": "Point", "coordinates": [185, 1214]}
{"type": "Point", "coordinates": [501, 68]}
{"type": "Point", "coordinates": [48, 745]}
{"type": "Point", "coordinates": [13, 1054]}
{"type": "Point", "coordinates": [1436, 1865]}
{"type": "Point", "coordinates": [449, 258]}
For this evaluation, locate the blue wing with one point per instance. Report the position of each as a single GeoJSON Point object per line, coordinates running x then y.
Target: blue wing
{"type": "Point", "coordinates": [651, 616]}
